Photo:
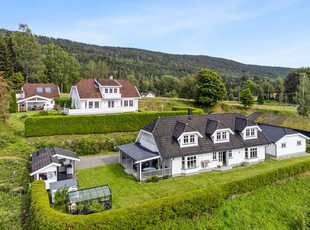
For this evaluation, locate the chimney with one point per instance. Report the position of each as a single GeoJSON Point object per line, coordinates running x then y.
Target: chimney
{"type": "Point", "coordinates": [111, 77]}
{"type": "Point", "coordinates": [190, 113]}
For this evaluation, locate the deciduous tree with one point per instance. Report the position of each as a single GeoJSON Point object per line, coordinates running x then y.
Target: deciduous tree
{"type": "Point", "coordinates": [246, 98]}
{"type": "Point", "coordinates": [188, 87]}
{"type": "Point", "coordinates": [17, 80]}
{"type": "Point", "coordinates": [279, 88]}
{"type": "Point", "coordinates": [211, 88]}
{"type": "Point", "coordinates": [260, 95]}
{"type": "Point", "coordinates": [303, 96]}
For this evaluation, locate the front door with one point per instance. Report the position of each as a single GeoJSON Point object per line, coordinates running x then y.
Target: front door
{"type": "Point", "coordinates": [222, 157]}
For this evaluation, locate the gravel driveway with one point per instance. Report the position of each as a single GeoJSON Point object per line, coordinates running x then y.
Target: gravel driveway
{"type": "Point", "coordinates": [90, 162]}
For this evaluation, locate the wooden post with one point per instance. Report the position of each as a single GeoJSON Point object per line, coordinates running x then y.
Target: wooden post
{"type": "Point", "coordinates": [140, 171]}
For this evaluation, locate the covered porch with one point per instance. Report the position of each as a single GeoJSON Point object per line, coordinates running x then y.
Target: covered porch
{"type": "Point", "coordinates": [141, 162]}
{"type": "Point", "coordinates": [34, 103]}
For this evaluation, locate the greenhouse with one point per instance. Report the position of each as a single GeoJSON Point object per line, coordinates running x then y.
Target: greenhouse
{"type": "Point", "coordinates": [90, 200]}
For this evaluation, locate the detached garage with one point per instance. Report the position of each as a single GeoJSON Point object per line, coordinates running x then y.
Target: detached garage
{"type": "Point", "coordinates": [285, 142]}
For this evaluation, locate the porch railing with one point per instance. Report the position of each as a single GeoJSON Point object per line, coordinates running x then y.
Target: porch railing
{"type": "Point", "coordinates": [158, 172]}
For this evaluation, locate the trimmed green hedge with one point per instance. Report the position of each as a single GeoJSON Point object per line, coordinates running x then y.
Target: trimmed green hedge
{"type": "Point", "coordinates": [87, 124]}
{"type": "Point", "coordinates": [42, 216]}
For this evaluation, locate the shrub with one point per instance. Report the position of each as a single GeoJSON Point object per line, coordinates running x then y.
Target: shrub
{"type": "Point", "coordinates": [61, 196]}
{"type": "Point", "coordinates": [86, 124]}
{"type": "Point", "coordinates": [63, 102]}
{"type": "Point", "coordinates": [143, 215]}
{"type": "Point", "coordinates": [155, 179]}
{"type": "Point", "coordinates": [165, 177]}
{"type": "Point", "coordinates": [13, 103]}
{"type": "Point", "coordinates": [86, 147]}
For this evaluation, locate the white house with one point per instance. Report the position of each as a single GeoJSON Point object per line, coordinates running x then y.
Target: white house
{"type": "Point", "coordinates": [99, 96]}
{"type": "Point", "coordinates": [285, 142]}
{"type": "Point", "coordinates": [55, 166]}
{"type": "Point", "coordinates": [150, 94]}
{"type": "Point", "coordinates": [37, 96]}
{"type": "Point", "coordinates": [186, 145]}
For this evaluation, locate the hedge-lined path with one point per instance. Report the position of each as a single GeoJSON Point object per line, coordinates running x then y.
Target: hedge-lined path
{"type": "Point", "coordinates": [90, 162]}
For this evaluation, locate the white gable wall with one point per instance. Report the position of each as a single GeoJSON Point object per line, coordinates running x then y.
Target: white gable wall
{"type": "Point", "coordinates": [271, 149]}
{"type": "Point", "coordinates": [147, 140]}
{"type": "Point", "coordinates": [291, 145]}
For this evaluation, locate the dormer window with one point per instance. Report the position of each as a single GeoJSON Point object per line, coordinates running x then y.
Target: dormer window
{"type": "Point", "coordinates": [250, 132]}
{"type": "Point", "coordinates": [115, 90]}
{"type": "Point", "coordinates": [189, 139]}
{"type": "Point", "coordinates": [106, 90]}
{"type": "Point", "coordinates": [221, 136]}
{"type": "Point", "coordinates": [47, 89]}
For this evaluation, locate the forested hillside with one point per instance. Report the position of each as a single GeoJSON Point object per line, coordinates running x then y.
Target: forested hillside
{"type": "Point", "coordinates": [144, 63]}
{"type": "Point", "coordinates": [147, 64]}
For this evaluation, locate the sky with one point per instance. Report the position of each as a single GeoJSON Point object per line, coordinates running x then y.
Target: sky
{"type": "Point", "coordinates": [272, 33]}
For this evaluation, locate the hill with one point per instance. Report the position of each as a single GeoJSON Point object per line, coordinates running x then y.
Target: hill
{"type": "Point", "coordinates": [146, 64]}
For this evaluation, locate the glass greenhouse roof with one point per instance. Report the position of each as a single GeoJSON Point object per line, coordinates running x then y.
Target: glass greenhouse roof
{"type": "Point", "coordinates": [89, 194]}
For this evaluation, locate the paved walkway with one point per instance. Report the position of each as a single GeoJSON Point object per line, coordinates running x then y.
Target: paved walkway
{"type": "Point", "coordinates": [90, 162]}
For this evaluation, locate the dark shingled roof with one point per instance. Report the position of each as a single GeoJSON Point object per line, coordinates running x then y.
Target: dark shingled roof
{"type": "Point", "coordinates": [137, 152]}
{"type": "Point", "coordinates": [163, 129]}
{"type": "Point", "coordinates": [46, 156]}
{"type": "Point", "coordinates": [242, 122]}
{"type": "Point", "coordinates": [182, 128]}
{"type": "Point", "coordinates": [213, 125]}
{"type": "Point", "coordinates": [275, 133]}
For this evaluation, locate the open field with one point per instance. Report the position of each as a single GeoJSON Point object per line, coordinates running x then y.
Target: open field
{"type": "Point", "coordinates": [281, 206]}
{"type": "Point", "coordinates": [154, 104]}
{"type": "Point", "coordinates": [274, 108]}
{"type": "Point", "coordinates": [127, 191]}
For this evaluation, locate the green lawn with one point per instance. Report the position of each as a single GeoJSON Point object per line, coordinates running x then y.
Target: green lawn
{"type": "Point", "coordinates": [127, 191]}
{"type": "Point", "coordinates": [281, 206]}
{"type": "Point", "coordinates": [154, 104]}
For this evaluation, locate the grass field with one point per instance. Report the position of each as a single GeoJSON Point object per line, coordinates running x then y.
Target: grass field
{"type": "Point", "coordinates": [281, 206]}
{"type": "Point", "coordinates": [275, 108]}
{"type": "Point", "coordinates": [154, 104]}
{"type": "Point", "coordinates": [127, 191]}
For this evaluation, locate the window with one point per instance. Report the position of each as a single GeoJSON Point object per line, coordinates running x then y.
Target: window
{"type": "Point", "coordinates": [52, 102]}
{"type": "Point", "coordinates": [90, 104]}
{"type": "Point", "coordinates": [230, 153]}
{"type": "Point", "coordinates": [125, 103]}
{"type": "Point", "coordinates": [250, 132]}
{"type": "Point", "coordinates": [96, 104]}
{"type": "Point", "coordinates": [111, 104]}
{"type": "Point", "coordinates": [191, 162]}
{"type": "Point", "coordinates": [253, 152]}
{"type": "Point", "coordinates": [47, 90]}
{"type": "Point", "coordinates": [85, 104]}
{"type": "Point", "coordinates": [214, 156]}
{"type": "Point", "coordinates": [131, 103]}
{"type": "Point", "coordinates": [115, 90]}
{"type": "Point", "coordinates": [106, 90]}
{"type": "Point", "coordinates": [111, 90]}
{"type": "Point", "coordinates": [183, 162]}
{"type": "Point", "coordinates": [39, 90]}
{"type": "Point", "coordinates": [221, 136]}
{"type": "Point", "coordinates": [185, 139]}
{"type": "Point", "coordinates": [192, 138]}
{"type": "Point", "coordinates": [121, 103]}
{"type": "Point", "coordinates": [298, 143]}
{"type": "Point", "coordinates": [283, 145]}
{"type": "Point", "coordinates": [246, 152]}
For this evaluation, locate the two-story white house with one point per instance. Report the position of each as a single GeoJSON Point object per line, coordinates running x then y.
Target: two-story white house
{"type": "Point", "coordinates": [186, 145]}
{"type": "Point", "coordinates": [100, 96]}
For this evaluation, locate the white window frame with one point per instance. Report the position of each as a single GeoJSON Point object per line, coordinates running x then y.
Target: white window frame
{"type": "Point", "coordinates": [110, 90]}
{"type": "Point", "coordinates": [246, 153]}
{"type": "Point", "coordinates": [97, 104]}
{"type": "Point", "coordinates": [106, 90]}
{"type": "Point", "coordinates": [283, 145]}
{"type": "Point", "coordinates": [229, 153]}
{"type": "Point", "coordinates": [253, 153]}
{"type": "Point", "coordinates": [214, 156]}
{"type": "Point", "coordinates": [115, 90]}
{"type": "Point", "coordinates": [90, 104]}
{"type": "Point", "coordinates": [126, 103]}
{"type": "Point", "coordinates": [48, 90]}
{"type": "Point", "coordinates": [130, 103]}
{"type": "Point", "coordinates": [189, 162]}
{"type": "Point", "coordinates": [41, 89]}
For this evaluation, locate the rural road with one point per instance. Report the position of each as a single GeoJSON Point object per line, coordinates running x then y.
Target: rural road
{"type": "Point", "coordinates": [90, 162]}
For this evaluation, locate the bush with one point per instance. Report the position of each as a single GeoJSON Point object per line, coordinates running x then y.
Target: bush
{"type": "Point", "coordinates": [165, 177]}
{"type": "Point", "coordinates": [61, 196]}
{"type": "Point", "coordinates": [13, 103]}
{"type": "Point", "coordinates": [143, 215]}
{"type": "Point", "coordinates": [86, 124]}
{"type": "Point", "coordinates": [155, 179]}
{"type": "Point", "coordinates": [86, 147]}
{"type": "Point", "coordinates": [63, 102]}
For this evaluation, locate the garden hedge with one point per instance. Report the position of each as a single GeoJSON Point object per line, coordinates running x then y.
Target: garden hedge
{"type": "Point", "coordinates": [87, 124]}
{"type": "Point", "coordinates": [42, 216]}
